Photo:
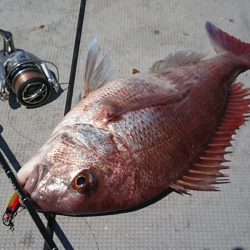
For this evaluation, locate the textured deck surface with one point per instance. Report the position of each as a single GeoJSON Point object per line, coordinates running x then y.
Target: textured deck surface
{"type": "Point", "coordinates": [134, 34]}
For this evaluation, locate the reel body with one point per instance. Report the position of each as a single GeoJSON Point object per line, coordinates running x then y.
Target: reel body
{"type": "Point", "coordinates": [24, 75]}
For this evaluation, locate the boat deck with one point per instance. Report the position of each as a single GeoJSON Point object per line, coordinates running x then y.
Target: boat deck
{"type": "Point", "coordinates": [134, 34]}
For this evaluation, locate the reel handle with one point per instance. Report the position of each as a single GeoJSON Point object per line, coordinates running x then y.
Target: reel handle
{"type": "Point", "coordinates": [8, 44]}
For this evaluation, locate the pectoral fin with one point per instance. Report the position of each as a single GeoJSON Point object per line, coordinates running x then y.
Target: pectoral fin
{"type": "Point", "coordinates": [112, 110]}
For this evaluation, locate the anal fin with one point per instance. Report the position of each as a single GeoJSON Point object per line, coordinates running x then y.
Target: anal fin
{"type": "Point", "coordinates": [205, 172]}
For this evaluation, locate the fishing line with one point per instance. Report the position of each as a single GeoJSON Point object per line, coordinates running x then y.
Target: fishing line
{"type": "Point", "coordinates": [14, 239]}
{"type": "Point", "coordinates": [92, 232]}
{"type": "Point", "coordinates": [56, 68]}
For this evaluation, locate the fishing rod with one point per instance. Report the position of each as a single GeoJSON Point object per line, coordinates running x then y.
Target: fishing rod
{"type": "Point", "coordinates": [52, 225]}
{"type": "Point", "coordinates": [75, 57]}
{"type": "Point", "coordinates": [51, 216]}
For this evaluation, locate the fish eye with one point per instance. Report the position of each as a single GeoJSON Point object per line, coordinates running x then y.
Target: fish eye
{"type": "Point", "coordinates": [84, 182]}
{"type": "Point", "coordinates": [81, 180]}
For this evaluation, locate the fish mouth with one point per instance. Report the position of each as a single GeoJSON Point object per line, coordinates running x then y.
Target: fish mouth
{"type": "Point", "coordinates": [34, 178]}
{"type": "Point", "coordinates": [31, 182]}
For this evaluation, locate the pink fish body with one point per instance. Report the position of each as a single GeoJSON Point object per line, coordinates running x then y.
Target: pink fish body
{"type": "Point", "coordinates": [130, 139]}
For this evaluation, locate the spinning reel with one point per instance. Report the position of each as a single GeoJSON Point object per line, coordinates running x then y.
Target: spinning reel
{"type": "Point", "coordinates": [24, 75]}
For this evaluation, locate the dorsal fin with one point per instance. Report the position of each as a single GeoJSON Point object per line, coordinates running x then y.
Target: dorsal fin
{"type": "Point", "coordinates": [95, 77]}
{"type": "Point", "coordinates": [206, 171]}
{"type": "Point", "coordinates": [177, 59]}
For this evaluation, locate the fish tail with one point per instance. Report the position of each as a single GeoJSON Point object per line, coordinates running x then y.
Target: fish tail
{"type": "Point", "coordinates": [223, 42]}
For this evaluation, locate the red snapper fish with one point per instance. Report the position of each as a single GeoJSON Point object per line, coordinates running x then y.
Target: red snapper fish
{"type": "Point", "coordinates": [130, 139]}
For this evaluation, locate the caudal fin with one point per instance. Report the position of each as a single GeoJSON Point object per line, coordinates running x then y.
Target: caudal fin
{"type": "Point", "coordinates": [223, 42]}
